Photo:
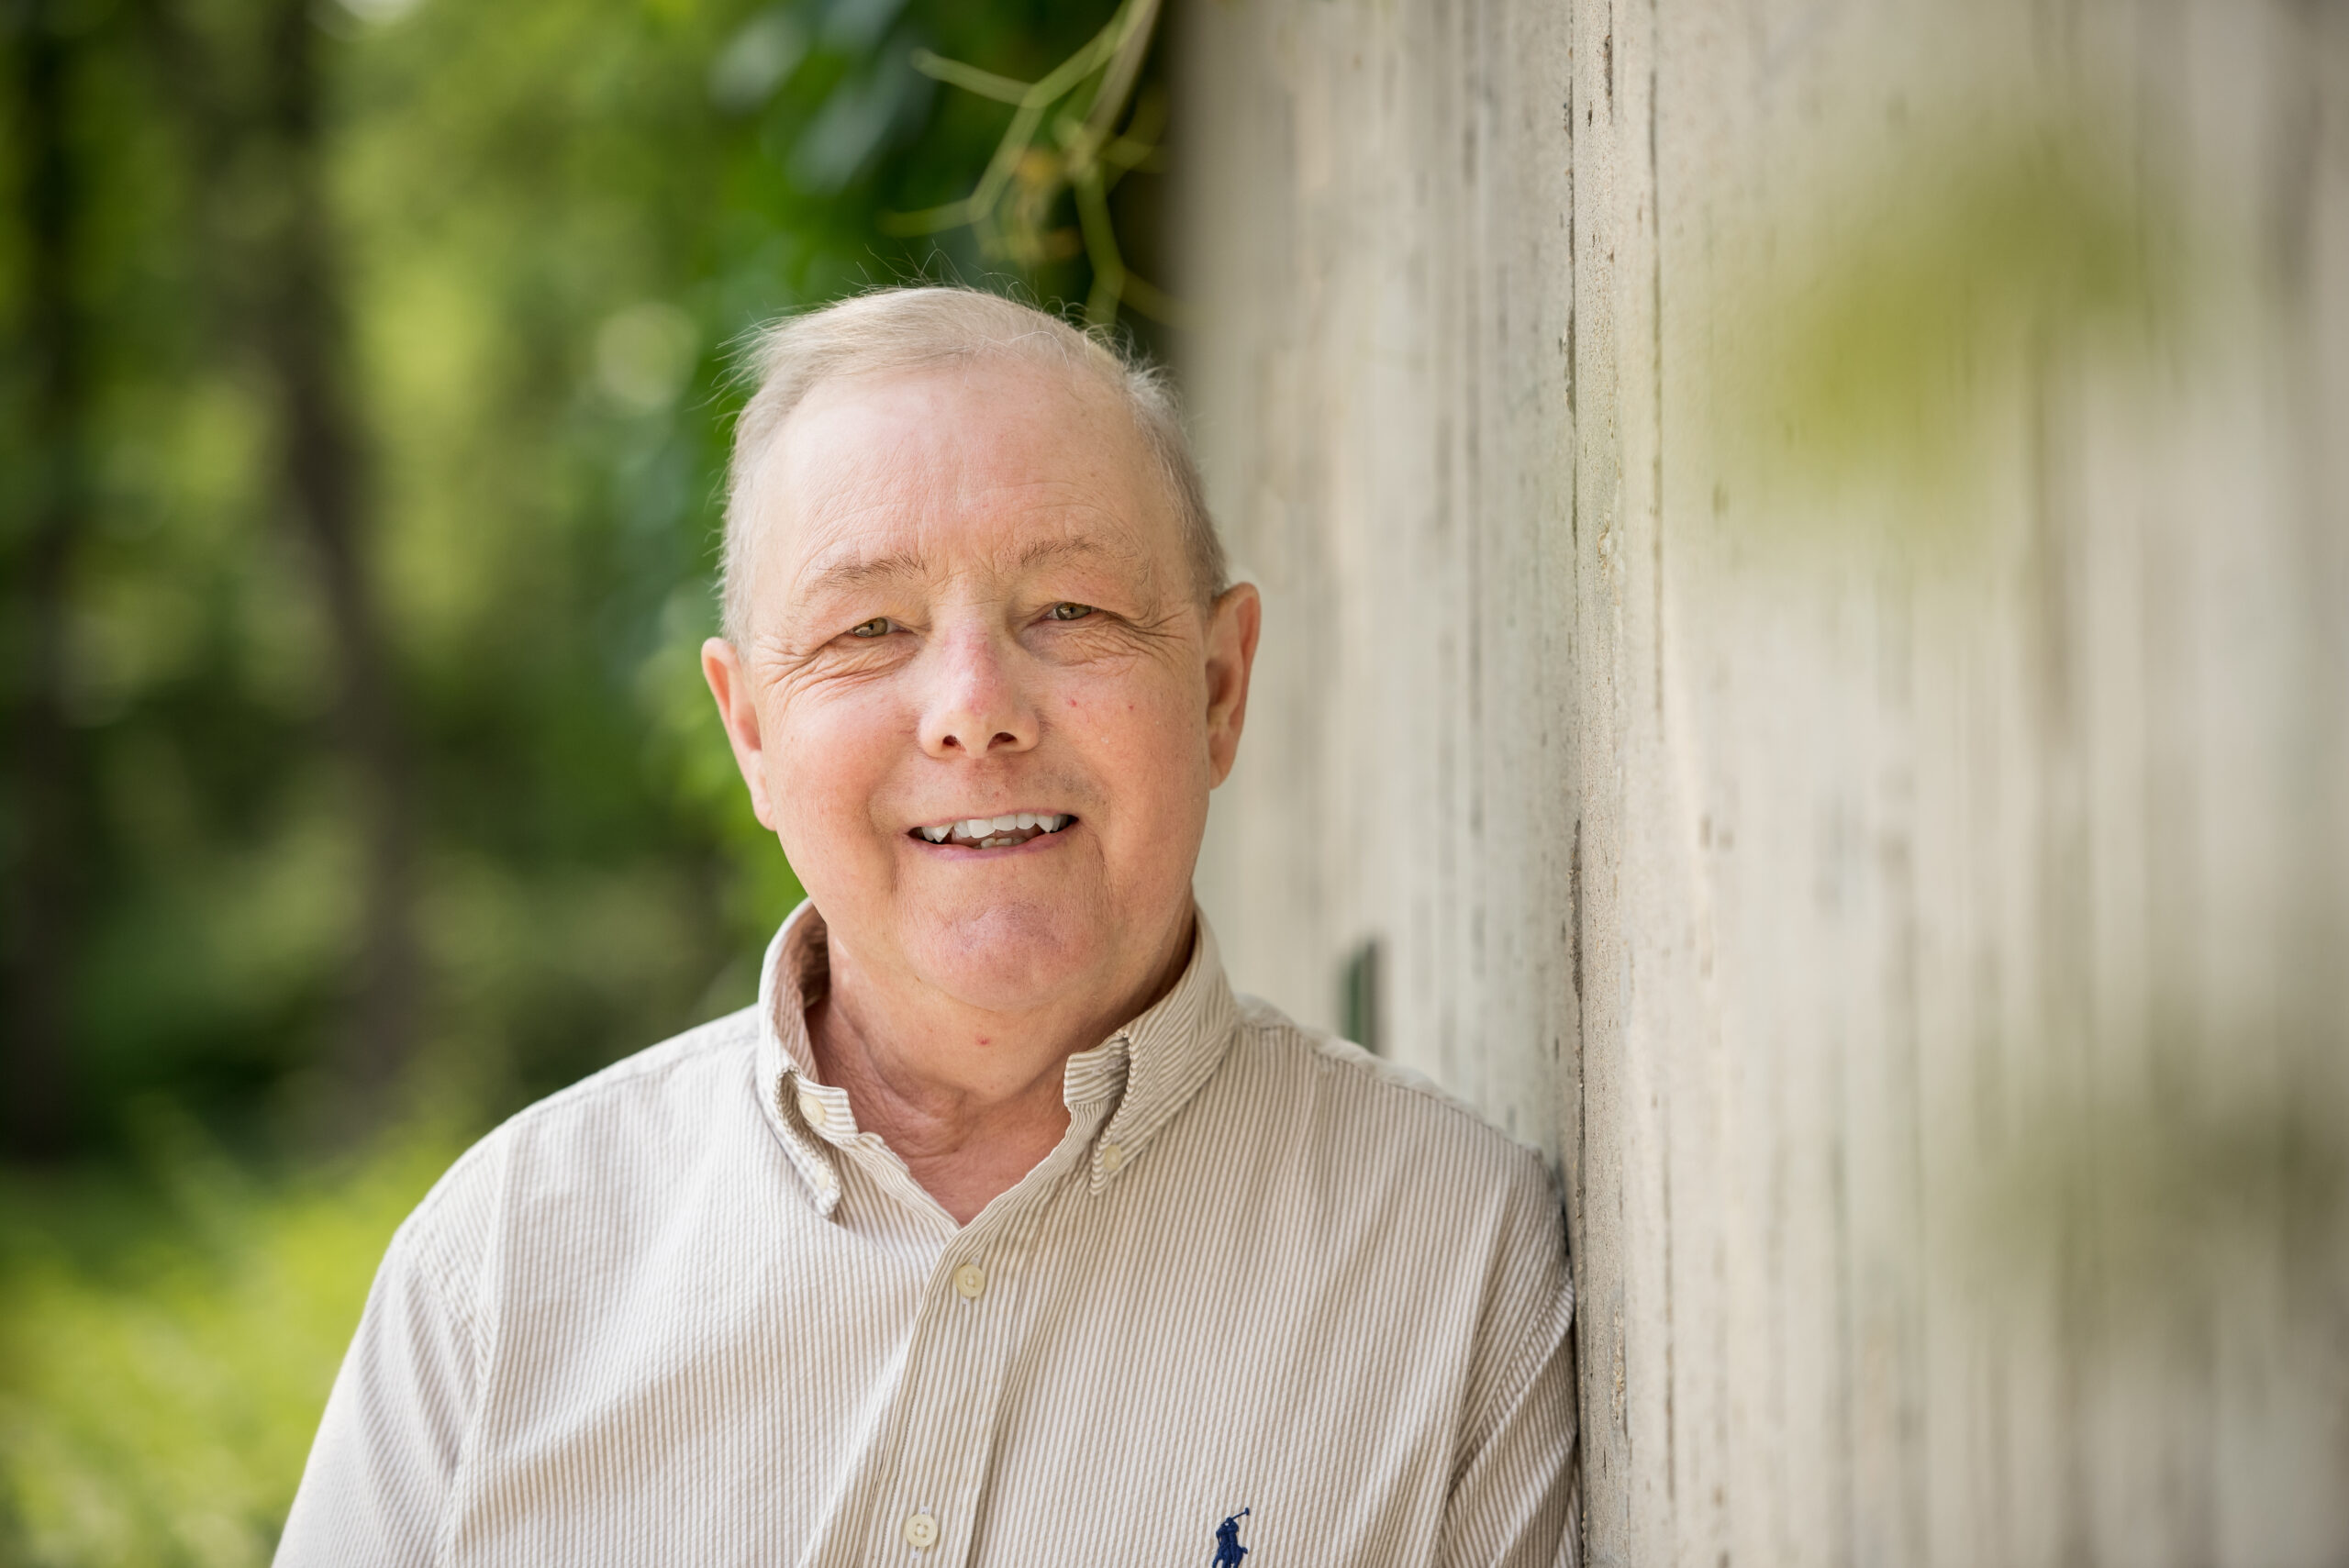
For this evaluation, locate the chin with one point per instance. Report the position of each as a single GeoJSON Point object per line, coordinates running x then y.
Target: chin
{"type": "Point", "coordinates": [1013, 957]}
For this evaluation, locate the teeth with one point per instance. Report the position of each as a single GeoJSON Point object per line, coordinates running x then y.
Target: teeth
{"type": "Point", "coordinates": [989, 832]}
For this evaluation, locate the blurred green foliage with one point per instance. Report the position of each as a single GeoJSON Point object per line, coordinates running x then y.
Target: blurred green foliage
{"type": "Point", "coordinates": [553, 221]}
{"type": "Point", "coordinates": [167, 1338]}
{"type": "Point", "coordinates": [1887, 325]}
{"type": "Point", "coordinates": [544, 227]}
{"type": "Point", "coordinates": [2155, 1203]}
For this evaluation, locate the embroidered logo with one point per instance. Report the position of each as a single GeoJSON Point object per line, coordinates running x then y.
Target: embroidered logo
{"type": "Point", "coordinates": [1228, 1550]}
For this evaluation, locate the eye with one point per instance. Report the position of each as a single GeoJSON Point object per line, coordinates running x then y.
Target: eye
{"type": "Point", "coordinates": [877, 627]}
{"type": "Point", "coordinates": [1069, 612]}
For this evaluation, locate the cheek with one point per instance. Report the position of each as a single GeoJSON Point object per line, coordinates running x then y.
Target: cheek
{"type": "Point", "coordinates": [1147, 738]}
{"type": "Point", "coordinates": [829, 758]}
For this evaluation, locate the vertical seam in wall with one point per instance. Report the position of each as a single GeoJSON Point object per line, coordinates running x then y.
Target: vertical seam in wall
{"type": "Point", "coordinates": [1655, 333]}
{"type": "Point", "coordinates": [1655, 203]}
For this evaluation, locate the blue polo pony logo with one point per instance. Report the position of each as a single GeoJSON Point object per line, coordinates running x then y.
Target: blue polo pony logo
{"type": "Point", "coordinates": [1228, 1550]}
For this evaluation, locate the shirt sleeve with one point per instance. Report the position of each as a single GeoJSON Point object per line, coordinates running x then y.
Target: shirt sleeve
{"type": "Point", "coordinates": [1514, 1502]}
{"type": "Point", "coordinates": [377, 1486]}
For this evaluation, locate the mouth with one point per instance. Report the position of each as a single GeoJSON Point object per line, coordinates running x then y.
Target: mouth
{"type": "Point", "coordinates": [995, 832]}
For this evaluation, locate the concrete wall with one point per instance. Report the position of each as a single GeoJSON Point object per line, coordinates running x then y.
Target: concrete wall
{"type": "Point", "coordinates": [1806, 549]}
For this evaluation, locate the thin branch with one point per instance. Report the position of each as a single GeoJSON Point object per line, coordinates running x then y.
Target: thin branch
{"type": "Point", "coordinates": [1149, 299]}
{"type": "Point", "coordinates": [1101, 250]}
{"type": "Point", "coordinates": [1118, 83]}
{"type": "Point", "coordinates": [970, 78]}
{"type": "Point", "coordinates": [930, 221]}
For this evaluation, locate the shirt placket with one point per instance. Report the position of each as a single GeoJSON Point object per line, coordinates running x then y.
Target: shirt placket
{"type": "Point", "coordinates": [923, 1508]}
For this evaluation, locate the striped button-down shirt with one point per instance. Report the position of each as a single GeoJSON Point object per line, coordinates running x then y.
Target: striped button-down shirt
{"type": "Point", "coordinates": [1268, 1294]}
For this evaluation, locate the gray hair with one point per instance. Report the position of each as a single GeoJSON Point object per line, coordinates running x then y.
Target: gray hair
{"type": "Point", "coordinates": [919, 328]}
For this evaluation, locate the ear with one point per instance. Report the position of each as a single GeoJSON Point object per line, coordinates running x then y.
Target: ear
{"type": "Point", "coordinates": [737, 708]}
{"type": "Point", "coordinates": [1233, 624]}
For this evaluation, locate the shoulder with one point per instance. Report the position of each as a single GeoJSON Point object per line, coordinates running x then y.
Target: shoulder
{"type": "Point", "coordinates": [1372, 1116]}
{"type": "Point", "coordinates": [1359, 1085]}
{"type": "Point", "coordinates": [657, 1082]}
{"type": "Point", "coordinates": [644, 1110]}
{"type": "Point", "coordinates": [1413, 1166]}
{"type": "Point", "coordinates": [1365, 1161]}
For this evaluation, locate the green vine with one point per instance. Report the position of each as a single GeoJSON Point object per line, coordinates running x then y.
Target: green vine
{"type": "Point", "coordinates": [1064, 136]}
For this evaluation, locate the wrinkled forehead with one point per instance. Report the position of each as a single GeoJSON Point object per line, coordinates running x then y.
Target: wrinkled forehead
{"type": "Point", "coordinates": [988, 466]}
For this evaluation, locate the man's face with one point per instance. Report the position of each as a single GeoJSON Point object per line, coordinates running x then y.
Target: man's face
{"type": "Point", "coordinates": [971, 602]}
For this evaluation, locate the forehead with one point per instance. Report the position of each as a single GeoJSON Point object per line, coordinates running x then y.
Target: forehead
{"type": "Point", "coordinates": [971, 465]}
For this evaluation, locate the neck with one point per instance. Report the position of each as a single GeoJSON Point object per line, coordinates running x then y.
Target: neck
{"type": "Point", "coordinates": [970, 1099]}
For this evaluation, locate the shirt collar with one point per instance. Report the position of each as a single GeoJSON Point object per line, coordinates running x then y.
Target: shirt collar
{"type": "Point", "coordinates": [793, 974]}
{"type": "Point", "coordinates": [1149, 1069]}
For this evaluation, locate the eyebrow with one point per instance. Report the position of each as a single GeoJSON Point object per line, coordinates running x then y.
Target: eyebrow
{"type": "Point", "coordinates": [1046, 551]}
{"type": "Point", "coordinates": [859, 572]}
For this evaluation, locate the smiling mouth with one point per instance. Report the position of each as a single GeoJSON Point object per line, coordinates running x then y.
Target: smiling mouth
{"type": "Point", "coordinates": [994, 832]}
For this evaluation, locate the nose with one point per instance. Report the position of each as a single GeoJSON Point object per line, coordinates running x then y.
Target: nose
{"type": "Point", "coordinates": [977, 704]}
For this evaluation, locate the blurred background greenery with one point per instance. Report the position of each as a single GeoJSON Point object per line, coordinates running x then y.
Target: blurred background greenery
{"type": "Point", "coordinates": [366, 385]}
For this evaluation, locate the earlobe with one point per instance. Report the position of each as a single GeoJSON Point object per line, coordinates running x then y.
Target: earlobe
{"type": "Point", "coordinates": [738, 710]}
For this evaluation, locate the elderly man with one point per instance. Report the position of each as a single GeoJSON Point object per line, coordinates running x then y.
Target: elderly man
{"type": "Point", "coordinates": [999, 1231]}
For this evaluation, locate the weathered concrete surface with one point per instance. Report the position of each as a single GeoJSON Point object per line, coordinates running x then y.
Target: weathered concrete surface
{"type": "Point", "coordinates": [1908, 899]}
{"type": "Point", "coordinates": [1377, 234]}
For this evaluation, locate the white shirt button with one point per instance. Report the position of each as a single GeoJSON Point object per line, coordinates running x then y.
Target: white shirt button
{"type": "Point", "coordinates": [1113, 1156]}
{"type": "Point", "coordinates": [813, 1109]}
{"type": "Point", "coordinates": [970, 1281]}
{"type": "Point", "coordinates": [921, 1532]}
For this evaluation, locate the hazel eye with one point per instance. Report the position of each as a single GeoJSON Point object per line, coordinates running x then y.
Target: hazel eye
{"type": "Point", "coordinates": [1069, 612]}
{"type": "Point", "coordinates": [877, 627]}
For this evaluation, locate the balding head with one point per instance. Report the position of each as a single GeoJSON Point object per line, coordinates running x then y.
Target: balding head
{"type": "Point", "coordinates": [898, 331]}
